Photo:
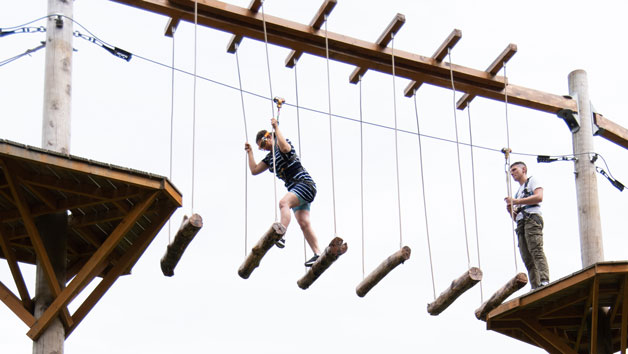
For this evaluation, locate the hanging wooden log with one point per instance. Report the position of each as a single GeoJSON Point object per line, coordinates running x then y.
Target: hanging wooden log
{"type": "Point", "coordinates": [188, 229]}
{"type": "Point", "coordinates": [382, 270]}
{"type": "Point", "coordinates": [274, 234]}
{"type": "Point", "coordinates": [465, 282]}
{"type": "Point", "coordinates": [516, 283]}
{"type": "Point", "coordinates": [337, 247]}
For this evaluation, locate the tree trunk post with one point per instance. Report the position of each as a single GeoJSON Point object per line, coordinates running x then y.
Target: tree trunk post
{"type": "Point", "coordinates": [274, 234]}
{"type": "Point", "coordinates": [382, 270]}
{"type": "Point", "coordinates": [465, 282]}
{"type": "Point", "coordinates": [188, 229]}
{"type": "Point", "coordinates": [337, 247]}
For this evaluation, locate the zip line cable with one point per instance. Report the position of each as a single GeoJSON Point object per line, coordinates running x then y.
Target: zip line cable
{"type": "Point", "coordinates": [475, 205]}
{"type": "Point", "coordinates": [464, 217]}
{"type": "Point", "coordinates": [27, 52]}
{"type": "Point", "coordinates": [331, 136]}
{"type": "Point", "coordinates": [427, 228]}
{"type": "Point", "coordinates": [272, 108]}
{"type": "Point", "coordinates": [246, 158]}
{"type": "Point", "coordinates": [392, 54]}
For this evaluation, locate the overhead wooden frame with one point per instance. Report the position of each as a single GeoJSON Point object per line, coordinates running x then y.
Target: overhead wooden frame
{"type": "Point", "coordinates": [492, 69]}
{"type": "Point", "coordinates": [438, 55]}
{"type": "Point", "coordinates": [563, 317]}
{"type": "Point", "coordinates": [236, 39]}
{"type": "Point", "coordinates": [316, 24]}
{"type": "Point", "coordinates": [393, 27]}
{"type": "Point", "coordinates": [114, 214]}
{"type": "Point", "coordinates": [299, 37]}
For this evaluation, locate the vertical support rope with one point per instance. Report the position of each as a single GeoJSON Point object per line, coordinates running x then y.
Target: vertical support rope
{"type": "Point", "coordinates": [296, 91]}
{"type": "Point", "coordinates": [272, 107]}
{"type": "Point", "coordinates": [507, 169]}
{"type": "Point", "coordinates": [392, 54]}
{"type": "Point", "coordinates": [194, 100]}
{"type": "Point", "coordinates": [475, 206]}
{"type": "Point", "coordinates": [464, 217]}
{"type": "Point", "coordinates": [171, 124]}
{"type": "Point", "coordinates": [362, 173]}
{"type": "Point", "coordinates": [246, 167]}
{"type": "Point", "coordinates": [331, 136]}
{"type": "Point", "coordinates": [427, 228]}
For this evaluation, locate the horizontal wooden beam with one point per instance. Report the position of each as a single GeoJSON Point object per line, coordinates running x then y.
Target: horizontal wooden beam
{"type": "Point", "coordinates": [492, 69]}
{"type": "Point", "coordinates": [316, 23]}
{"type": "Point", "coordinates": [236, 39]}
{"type": "Point", "coordinates": [382, 42]}
{"type": "Point", "coordinates": [438, 55]}
{"type": "Point", "coordinates": [610, 130]}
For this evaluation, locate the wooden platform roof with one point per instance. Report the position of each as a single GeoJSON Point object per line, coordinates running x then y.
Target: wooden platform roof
{"type": "Point", "coordinates": [114, 214]}
{"type": "Point", "coordinates": [563, 316]}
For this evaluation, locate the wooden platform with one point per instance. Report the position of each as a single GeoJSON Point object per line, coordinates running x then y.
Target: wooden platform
{"type": "Point", "coordinates": [559, 317]}
{"type": "Point", "coordinates": [114, 214]}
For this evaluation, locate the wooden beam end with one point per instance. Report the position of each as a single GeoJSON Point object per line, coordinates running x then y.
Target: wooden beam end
{"type": "Point", "coordinates": [171, 26]}
{"type": "Point", "coordinates": [411, 89]}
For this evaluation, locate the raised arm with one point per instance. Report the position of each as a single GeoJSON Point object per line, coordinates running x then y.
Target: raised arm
{"type": "Point", "coordinates": [256, 168]}
{"type": "Point", "coordinates": [281, 140]}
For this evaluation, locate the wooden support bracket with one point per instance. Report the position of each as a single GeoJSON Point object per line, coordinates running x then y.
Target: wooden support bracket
{"type": "Point", "coordinates": [15, 270]}
{"type": "Point", "coordinates": [337, 247]}
{"type": "Point", "coordinates": [438, 56]}
{"type": "Point", "coordinates": [171, 26]}
{"type": "Point", "coordinates": [188, 229]}
{"type": "Point", "coordinates": [254, 7]}
{"type": "Point", "coordinates": [382, 270]}
{"type": "Point", "coordinates": [274, 234]}
{"type": "Point", "coordinates": [465, 282]}
{"type": "Point", "coordinates": [316, 24]}
{"type": "Point", "coordinates": [382, 42]}
{"type": "Point", "coordinates": [516, 283]}
{"type": "Point", "coordinates": [492, 69]}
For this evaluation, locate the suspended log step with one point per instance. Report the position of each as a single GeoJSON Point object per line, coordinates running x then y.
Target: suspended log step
{"type": "Point", "coordinates": [188, 229]}
{"type": "Point", "coordinates": [516, 283]}
{"type": "Point", "coordinates": [274, 234]}
{"type": "Point", "coordinates": [382, 270]}
{"type": "Point", "coordinates": [465, 282]}
{"type": "Point", "coordinates": [337, 247]}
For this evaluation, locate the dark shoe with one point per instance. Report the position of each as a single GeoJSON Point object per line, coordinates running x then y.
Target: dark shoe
{"type": "Point", "coordinates": [281, 243]}
{"type": "Point", "coordinates": [312, 260]}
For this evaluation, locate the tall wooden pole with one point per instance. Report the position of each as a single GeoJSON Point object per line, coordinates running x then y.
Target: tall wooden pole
{"type": "Point", "coordinates": [55, 136]}
{"type": "Point", "coordinates": [591, 248]}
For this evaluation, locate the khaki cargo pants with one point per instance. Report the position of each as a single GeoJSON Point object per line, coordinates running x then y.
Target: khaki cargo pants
{"type": "Point", "coordinates": [530, 235]}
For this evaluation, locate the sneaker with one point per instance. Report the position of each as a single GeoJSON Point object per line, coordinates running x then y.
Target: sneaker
{"type": "Point", "coordinates": [281, 243]}
{"type": "Point", "coordinates": [312, 260]}
{"type": "Point", "coordinates": [543, 283]}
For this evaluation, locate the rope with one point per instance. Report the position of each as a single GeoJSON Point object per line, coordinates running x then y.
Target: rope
{"type": "Point", "coordinates": [331, 137]}
{"type": "Point", "coordinates": [362, 174]}
{"type": "Point", "coordinates": [194, 101]}
{"type": "Point", "coordinates": [464, 217]}
{"type": "Point", "coordinates": [296, 89]}
{"type": "Point", "coordinates": [246, 171]}
{"type": "Point", "coordinates": [171, 125]}
{"type": "Point", "coordinates": [392, 54]}
{"type": "Point", "coordinates": [427, 228]}
{"type": "Point", "coordinates": [272, 107]}
{"type": "Point", "coordinates": [475, 206]}
{"type": "Point", "coordinates": [507, 170]}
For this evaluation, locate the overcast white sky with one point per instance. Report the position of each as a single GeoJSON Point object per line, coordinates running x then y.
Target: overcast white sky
{"type": "Point", "coordinates": [121, 115]}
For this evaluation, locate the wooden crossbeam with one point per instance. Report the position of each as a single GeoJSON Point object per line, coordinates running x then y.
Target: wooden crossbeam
{"type": "Point", "coordinates": [9, 255]}
{"type": "Point", "coordinates": [610, 130]}
{"type": "Point", "coordinates": [383, 40]}
{"type": "Point", "coordinates": [492, 69]}
{"type": "Point", "coordinates": [438, 56]}
{"type": "Point", "coordinates": [15, 305]}
{"type": "Point", "coordinates": [315, 24]}
{"type": "Point", "coordinates": [171, 27]}
{"type": "Point", "coordinates": [91, 268]}
{"type": "Point", "coordinates": [35, 238]}
{"type": "Point", "coordinates": [254, 7]}
{"type": "Point", "coordinates": [79, 221]}
{"type": "Point", "coordinates": [121, 266]}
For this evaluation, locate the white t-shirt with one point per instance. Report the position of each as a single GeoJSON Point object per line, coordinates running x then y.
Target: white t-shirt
{"type": "Point", "coordinates": [531, 187]}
